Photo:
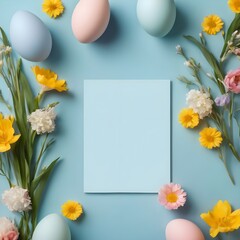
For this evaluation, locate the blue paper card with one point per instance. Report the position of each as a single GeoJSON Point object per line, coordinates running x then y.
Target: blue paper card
{"type": "Point", "coordinates": [126, 135]}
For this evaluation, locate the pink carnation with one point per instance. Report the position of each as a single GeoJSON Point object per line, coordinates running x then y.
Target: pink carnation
{"type": "Point", "coordinates": [8, 230]}
{"type": "Point", "coordinates": [232, 81]}
{"type": "Point", "coordinates": [172, 196]}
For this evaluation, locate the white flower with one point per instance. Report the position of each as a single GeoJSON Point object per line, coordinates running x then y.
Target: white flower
{"type": "Point", "coordinates": [42, 120]}
{"type": "Point", "coordinates": [17, 199]}
{"type": "Point", "coordinates": [7, 229]}
{"type": "Point", "coordinates": [8, 50]}
{"type": "Point", "coordinates": [179, 49]}
{"type": "Point", "coordinates": [188, 63]}
{"type": "Point", "coordinates": [200, 102]}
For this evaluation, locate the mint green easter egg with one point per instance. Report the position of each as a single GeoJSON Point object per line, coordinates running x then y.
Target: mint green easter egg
{"type": "Point", "coordinates": [157, 17]}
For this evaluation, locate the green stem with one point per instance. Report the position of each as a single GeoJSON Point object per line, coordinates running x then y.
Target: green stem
{"type": "Point", "coordinates": [40, 156]}
{"type": "Point", "coordinates": [223, 158]}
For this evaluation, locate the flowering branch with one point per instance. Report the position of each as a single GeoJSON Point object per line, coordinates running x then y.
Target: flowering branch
{"type": "Point", "coordinates": [18, 162]}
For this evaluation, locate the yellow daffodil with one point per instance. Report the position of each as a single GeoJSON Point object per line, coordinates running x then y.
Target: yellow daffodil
{"type": "Point", "coordinates": [234, 5]}
{"type": "Point", "coordinates": [210, 138]}
{"type": "Point", "coordinates": [72, 210]}
{"type": "Point", "coordinates": [221, 218]}
{"type": "Point", "coordinates": [212, 24]}
{"type": "Point", "coordinates": [48, 80]}
{"type": "Point", "coordinates": [53, 8]}
{"type": "Point", "coordinates": [188, 118]}
{"type": "Point", "coordinates": [7, 136]}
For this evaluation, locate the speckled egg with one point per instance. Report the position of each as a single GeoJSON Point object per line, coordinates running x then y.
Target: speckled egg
{"type": "Point", "coordinates": [157, 17]}
{"type": "Point", "coordinates": [30, 37]}
{"type": "Point", "coordinates": [90, 19]}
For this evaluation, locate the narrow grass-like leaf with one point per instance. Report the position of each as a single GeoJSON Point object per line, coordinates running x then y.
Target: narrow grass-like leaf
{"type": "Point", "coordinates": [208, 56]}
{"type": "Point", "coordinates": [37, 189]}
{"type": "Point", "coordinates": [4, 38]}
{"type": "Point", "coordinates": [235, 25]}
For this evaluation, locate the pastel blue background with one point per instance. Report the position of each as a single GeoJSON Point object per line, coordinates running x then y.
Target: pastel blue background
{"type": "Point", "coordinates": [126, 135]}
{"type": "Point", "coordinates": [127, 52]}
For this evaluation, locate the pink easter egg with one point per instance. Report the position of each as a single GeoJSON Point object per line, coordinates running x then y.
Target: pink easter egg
{"type": "Point", "coordinates": [90, 19]}
{"type": "Point", "coordinates": [181, 229]}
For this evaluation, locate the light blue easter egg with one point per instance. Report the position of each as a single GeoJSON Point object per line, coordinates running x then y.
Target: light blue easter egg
{"type": "Point", "coordinates": [52, 227]}
{"type": "Point", "coordinates": [157, 17]}
{"type": "Point", "coordinates": [30, 37]}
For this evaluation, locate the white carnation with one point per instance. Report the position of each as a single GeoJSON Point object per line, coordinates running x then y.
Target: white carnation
{"type": "Point", "coordinates": [200, 102]}
{"type": "Point", "coordinates": [6, 226]}
{"type": "Point", "coordinates": [43, 120]}
{"type": "Point", "coordinates": [17, 199]}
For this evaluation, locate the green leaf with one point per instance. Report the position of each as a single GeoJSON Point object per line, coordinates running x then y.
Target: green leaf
{"type": "Point", "coordinates": [29, 97]}
{"type": "Point", "coordinates": [2, 100]}
{"type": "Point", "coordinates": [235, 25]}
{"type": "Point", "coordinates": [41, 177]}
{"type": "Point", "coordinates": [211, 60]}
{"type": "Point", "coordinates": [4, 38]}
{"type": "Point", "coordinates": [37, 188]}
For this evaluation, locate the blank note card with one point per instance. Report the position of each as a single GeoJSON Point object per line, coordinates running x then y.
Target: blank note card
{"type": "Point", "coordinates": [126, 135]}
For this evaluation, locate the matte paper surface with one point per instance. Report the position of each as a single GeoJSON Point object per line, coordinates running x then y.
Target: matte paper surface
{"type": "Point", "coordinates": [126, 135]}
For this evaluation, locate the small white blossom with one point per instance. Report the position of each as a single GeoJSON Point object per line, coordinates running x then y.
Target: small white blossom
{"type": "Point", "coordinates": [188, 63]}
{"type": "Point", "coordinates": [209, 75]}
{"type": "Point", "coordinates": [7, 229]}
{"type": "Point", "coordinates": [17, 199]}
{"type": "Point", "coordinates": [8, 50]}
{"type": "Point", "coordinates": [200, 35]}
{"type": "Point", "coordinates": [43, 120]}
{"type": "Point", "coordinates": [200, 102]}
{"type": "Point", "coordinates": [179, 49]}
{"type": "Point", "coordinates": [235, 33]}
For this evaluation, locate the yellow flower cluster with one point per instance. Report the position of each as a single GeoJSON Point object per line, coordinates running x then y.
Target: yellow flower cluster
{"type": "Point", "coordinates": [7, 136]}
{"type": "Point", "coordinates": [49, 80]}
{"type": "Point", "coordinates": [209, 137]}
{"type": "Point", "coordinates": [222, 219]}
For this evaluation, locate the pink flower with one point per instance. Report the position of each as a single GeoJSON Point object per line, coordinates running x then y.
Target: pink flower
{"type": "Point", "coordinates": [8, 230]}
{"type": "Point", "coordinates": [232, 81]}
{"type": "Point", "coordinates": [172, 196]}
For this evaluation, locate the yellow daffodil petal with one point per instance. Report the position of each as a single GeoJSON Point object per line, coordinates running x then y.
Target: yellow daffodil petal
{"type": "Point", "coordinates": [5, 147]}
{"type": "Point", "coordinates": [213, 232]}
{"type": "Point", "coordinates": [15, 138]}
{"type": "Point", "coordinates": [209, 219]}
{"type": "Point", "coordinates": [222, 209]}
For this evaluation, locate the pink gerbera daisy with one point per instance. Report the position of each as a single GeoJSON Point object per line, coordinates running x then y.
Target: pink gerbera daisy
{"type": "Point", "coordinates": [172, 196]}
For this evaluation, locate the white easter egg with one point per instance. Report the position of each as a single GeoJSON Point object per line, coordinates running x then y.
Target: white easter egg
{"type": "Point", "coordinates": [157, 17]}
{"type": "Point", "coordinates": [52, 227]}
{"type": "Point", "coordinates": [30, 37]}
{"type": "Point", "coordinates": [90, 19]}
